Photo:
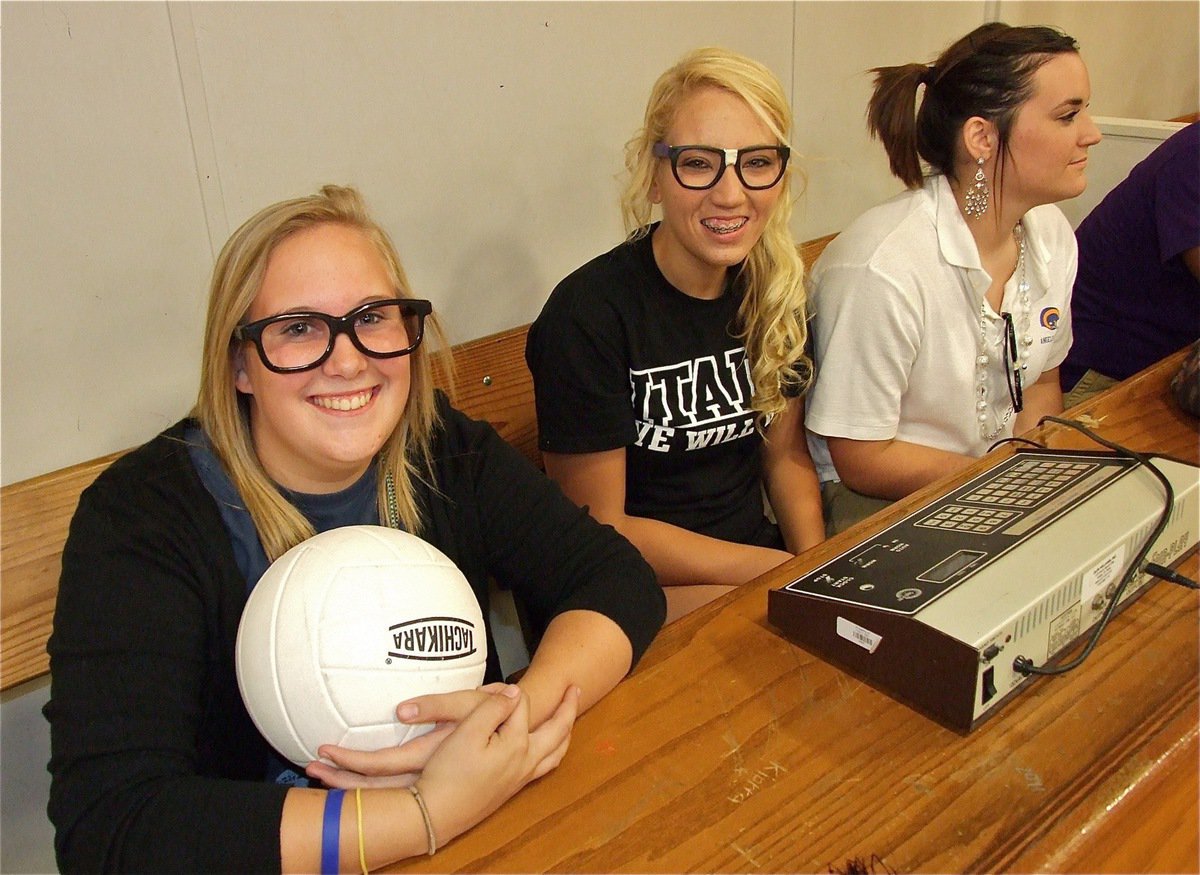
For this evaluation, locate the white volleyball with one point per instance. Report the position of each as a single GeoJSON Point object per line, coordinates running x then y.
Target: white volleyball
{"type": "Point", "coordinates": [343, 627]}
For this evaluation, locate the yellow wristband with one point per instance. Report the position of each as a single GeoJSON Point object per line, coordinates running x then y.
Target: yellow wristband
{"type": "Point", "coordinates": [362, 850]}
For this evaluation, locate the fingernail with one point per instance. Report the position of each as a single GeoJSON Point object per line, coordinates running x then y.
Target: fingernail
{"type": "Point", "coordinates": [407, 712]}
{"type": "Point", "coordinates": [512, 691]}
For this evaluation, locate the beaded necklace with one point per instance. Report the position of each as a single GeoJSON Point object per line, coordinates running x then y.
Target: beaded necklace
{"type": "Point", "coordinates": [983, 407]}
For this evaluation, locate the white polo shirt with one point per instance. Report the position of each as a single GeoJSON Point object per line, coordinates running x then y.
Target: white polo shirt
{"type": "Point", "coordinates": [896, 301]}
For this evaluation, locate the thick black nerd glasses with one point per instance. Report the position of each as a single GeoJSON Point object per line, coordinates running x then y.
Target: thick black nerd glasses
{"type": "Point", "coordinates": [303, 340]}
{"type": "Point", "coordinates": [701, 167]}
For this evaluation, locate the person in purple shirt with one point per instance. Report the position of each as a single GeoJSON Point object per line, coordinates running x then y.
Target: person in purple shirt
{"type": "Point", "coordinates": [1137, 293]}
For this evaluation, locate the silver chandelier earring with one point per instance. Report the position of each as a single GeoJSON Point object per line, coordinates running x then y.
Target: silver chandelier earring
{"type": "Point", "coordinates": [975, 201]}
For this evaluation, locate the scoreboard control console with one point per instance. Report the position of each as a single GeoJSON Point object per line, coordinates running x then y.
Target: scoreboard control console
{"type": "Point", "coordinates": [1020, 561]}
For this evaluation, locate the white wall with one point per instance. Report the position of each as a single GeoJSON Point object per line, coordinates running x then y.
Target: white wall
{"type": "Point", "coordinates": [835, 45]}
{"type": "Point", "coordinates": [1142, 57]}
{"type": "Point", "coordinates": [104, 249]}
{"type": "Point", "coordinates": [487, 136]}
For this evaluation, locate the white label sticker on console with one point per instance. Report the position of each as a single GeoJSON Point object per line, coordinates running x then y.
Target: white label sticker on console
{"type": "Point", "coordinates": [864, 638]}
{"type": "Point", "coordinates": [1101, 574]}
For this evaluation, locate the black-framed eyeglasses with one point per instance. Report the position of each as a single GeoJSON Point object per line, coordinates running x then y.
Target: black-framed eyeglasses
{"type": "Point", "coordinates": [1012, 364]}
{"type": "Point", "coordinates": [303, 340]}
{"type": "Point", "coordinates": [701, 167]}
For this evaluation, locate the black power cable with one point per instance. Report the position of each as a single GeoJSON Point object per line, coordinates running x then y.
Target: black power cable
{"type": "Point", "coordinates": [1024, 665]}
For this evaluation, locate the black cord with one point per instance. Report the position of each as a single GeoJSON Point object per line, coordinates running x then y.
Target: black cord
{"type": "Point", "coordinates": [1169, 575]}
{"type": "Point", "coordinates": [1024, 665]}
{"type": "Point", "coordinates": [1015, 440]}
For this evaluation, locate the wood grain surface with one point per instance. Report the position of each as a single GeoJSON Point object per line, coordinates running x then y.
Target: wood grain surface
{"type": "Point", "coordinates": [34, 517]}
{"type": "Point", "coordinates": [730, 749]}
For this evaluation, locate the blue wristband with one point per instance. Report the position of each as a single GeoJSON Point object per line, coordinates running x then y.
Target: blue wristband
{"type": "Point", "coordinates": [331, 828]}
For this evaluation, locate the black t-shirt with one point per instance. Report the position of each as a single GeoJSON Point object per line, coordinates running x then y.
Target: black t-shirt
{"type": "Point", "coordinates": [621, 358]}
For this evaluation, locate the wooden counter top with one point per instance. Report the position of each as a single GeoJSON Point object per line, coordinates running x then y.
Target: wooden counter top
{"type": "Point", "coordinates": [732, 750]}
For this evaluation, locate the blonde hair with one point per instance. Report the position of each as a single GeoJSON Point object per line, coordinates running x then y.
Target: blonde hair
{"type": "Point", "coordinates": [771, 319]}
{"type": "Point", "coordinates": [224, 412]}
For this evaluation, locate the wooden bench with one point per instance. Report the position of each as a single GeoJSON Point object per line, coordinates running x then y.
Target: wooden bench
{"type": "Point", "coordinates": [491, 382]}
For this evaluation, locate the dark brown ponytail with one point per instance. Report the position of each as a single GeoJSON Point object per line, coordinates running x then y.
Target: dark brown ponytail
{"type": "Point", "coordinates": [892, 118]}
{"type": "Point", "coordinates": [987, 73]}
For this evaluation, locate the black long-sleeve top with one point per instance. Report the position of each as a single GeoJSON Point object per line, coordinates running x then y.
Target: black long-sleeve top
{"type": "Point", "coordinates": [156, 765]}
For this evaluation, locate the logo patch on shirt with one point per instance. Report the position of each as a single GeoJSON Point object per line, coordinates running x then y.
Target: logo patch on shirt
{"type": "Point", "coordinates": [693, 404]}
{"type": "Point", "coordinates": [1049, 318]}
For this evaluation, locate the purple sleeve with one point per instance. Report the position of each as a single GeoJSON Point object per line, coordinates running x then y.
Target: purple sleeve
{"type": "Point", "coordinates": [1177, 200]}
